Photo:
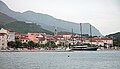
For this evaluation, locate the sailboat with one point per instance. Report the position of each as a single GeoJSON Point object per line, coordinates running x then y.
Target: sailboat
{"type": "Point", "coordinates": [83, 47]}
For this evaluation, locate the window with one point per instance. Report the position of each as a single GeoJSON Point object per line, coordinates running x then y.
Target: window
{"type": "Point", "coordinates": [2, 40]}
{"type": "Point", "coordinates": [2, 43]}
{"type": "Point", "coordinates": [37, 34]}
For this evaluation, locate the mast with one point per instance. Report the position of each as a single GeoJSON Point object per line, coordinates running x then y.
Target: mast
{"type": "Point", "coordinates": [81, 32]}
{"type": "Point", "coordinates": [72, 35]}
{"type": "Point", "coordinates": [90, 34]}
{"type": "Point", "coordinates": [72, 32]}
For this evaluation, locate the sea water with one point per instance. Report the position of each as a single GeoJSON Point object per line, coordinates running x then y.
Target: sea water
{"type": "Point", "coordinates": [60, 60]}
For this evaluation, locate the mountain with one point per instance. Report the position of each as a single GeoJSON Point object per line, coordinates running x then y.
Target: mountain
{"type": "Point", "coordinates": [20, 26]}
{"type": "Point", "coordinates": [116, 38]}
{"type": "Point", "coordinates": [48, 22]}
{"type": "Point", "coordinates": [114, 35]}
{"type": "Point", "coordinates": [4, 19]}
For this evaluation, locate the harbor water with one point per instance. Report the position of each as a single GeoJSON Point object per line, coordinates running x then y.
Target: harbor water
{"type": "Point", "coordinates": [60, 60]}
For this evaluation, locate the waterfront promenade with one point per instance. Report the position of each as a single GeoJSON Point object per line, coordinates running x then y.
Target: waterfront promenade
{"type": "Point", "coordinates": [52, 50]}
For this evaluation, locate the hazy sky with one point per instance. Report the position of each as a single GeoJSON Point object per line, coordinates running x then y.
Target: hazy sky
{"type": "Point", "coordinates": [103, 14]}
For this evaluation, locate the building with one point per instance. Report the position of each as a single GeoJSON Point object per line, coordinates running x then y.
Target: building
{"type": "Point", "coordinates": [6, 35]}
{"type": "Point", "coordinates": [17, 36]}
{"type": "Point", "coordinates": [67, 36]}
{"type": "Point", "coordinates": [3, 40]}
{"type": "Point", "coordinates": [9, 32]}
{"type": "Point", "coordinates": [11, 36]}
{"type": "Point", "coordinates": [23, 38]}
{"type": "Point", "coordinates": [94, 41]}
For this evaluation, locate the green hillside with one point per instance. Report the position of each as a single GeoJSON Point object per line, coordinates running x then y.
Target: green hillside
{"type": "Point", "coordinates": [4, 19]}
{"type": "Point", "coordinates": [116, 38]}
{"type": "Point", "coordinates": [20, 26]}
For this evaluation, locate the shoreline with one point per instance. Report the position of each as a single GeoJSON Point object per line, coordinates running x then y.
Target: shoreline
{"type": "Point", "coordinates": [35, 51]}
{"type": "Point", "coordinates": [42, 50]}
{"type": "Point", "coordinates": [49, 50]}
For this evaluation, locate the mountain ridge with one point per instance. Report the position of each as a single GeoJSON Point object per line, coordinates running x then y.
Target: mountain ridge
{"type": "Point", "coordinates": [20, 26]}
{"type": "Point", "coordinates": [4, 19]}
{"type": "Point", "coordinates": [115, 37]}
{"type": "Point", "coordinates": [48, 22]}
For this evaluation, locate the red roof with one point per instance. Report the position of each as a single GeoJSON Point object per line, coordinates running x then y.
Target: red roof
{"type": "Point", "coordinates": [93, 39]}
{"type": "Point", "coordinates": [58, 36]}
{"type": "Point", "coordinates": [8, 29]}
{"type": "Point", "coordinates": [100, 38]}
{"type": "Point", "coordinates": [48, 36]}
{"type": "Point", "coordinates": [25, 38]}
{"type": "Point", "coordinates": [17, 33]}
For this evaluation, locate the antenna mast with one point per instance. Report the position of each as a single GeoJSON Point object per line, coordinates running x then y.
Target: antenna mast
{"type": "Point", "coordinates": [81, 32]}
{"type": "Point", "coordinates": [90, 34]}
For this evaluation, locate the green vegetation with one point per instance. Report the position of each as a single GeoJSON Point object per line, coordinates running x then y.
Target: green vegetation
{"type": "Point", "coordinates": [4, 19]}
{"type": "Point", "coordinates": [30, 45]}
{"type": "Point", "coordinates": [16, 44]}
{"type": "Point", "coordinates": [50, 44]}
{"type": "Point", "coordinates": [20, 26]}
{"type": "Point", "coordinates": [116, 38]}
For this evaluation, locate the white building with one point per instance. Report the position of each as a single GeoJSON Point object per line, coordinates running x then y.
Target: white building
{"type": "Point", "coordinates": [11, 36]}
{"type": "Point", "coordinates": [6, 35]}
{"type": "Point", "coordinates": [67, 36]}
{"type": "Point", "coordinates": [9, 32]}
{"type": "Point", "coordinates": [3, 40]}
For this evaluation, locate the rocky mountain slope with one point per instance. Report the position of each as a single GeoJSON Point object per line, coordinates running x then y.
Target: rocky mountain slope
{"type": "Point", "coordinates": [48, 22]}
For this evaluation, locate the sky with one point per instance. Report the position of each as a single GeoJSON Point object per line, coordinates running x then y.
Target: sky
{"type": "Point", "coordinates": [103, 14]}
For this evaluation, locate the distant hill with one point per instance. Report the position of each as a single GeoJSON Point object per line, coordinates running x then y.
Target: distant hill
{"type": "Point", "coordinates": [116, 38]}
{"type": "Point", "coordinates": [114, 35]}
{"type": "Point", "coordinates": [47, 22]}
{"type": "Point", "coordinates": [20, 26]}
{"type": "Point", "coordinates": [23, 27]}
{"type": "Point", "coordinates": [4, 19]}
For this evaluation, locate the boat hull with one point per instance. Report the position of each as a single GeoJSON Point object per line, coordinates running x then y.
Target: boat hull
{"type": "Point", "coordinates": [85, 49]}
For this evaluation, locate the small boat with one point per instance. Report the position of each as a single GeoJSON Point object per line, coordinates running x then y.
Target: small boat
{"type": "Point", "coordinates": [68, 49]}
{"type": "Point", "coordinates": [83, 48]}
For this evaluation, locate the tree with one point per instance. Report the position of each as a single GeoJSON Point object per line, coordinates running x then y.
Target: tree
{"type": "Point", "coordinates": [25, 45]}
{"type": "Point", "coordinates": [42, 45]}
{"type": "Point", "coordinates": [61, 44]}
{"type": "Point", "coordinates": [31, 44]}
{"type": "Point", "coordinates": [11, 44]}
{"type": "Point", "coordinates": [37, 45]}
{"type": "Point", "coordinates": [50, 44]}
{"type": "Point", "coordinates": [18, 44]}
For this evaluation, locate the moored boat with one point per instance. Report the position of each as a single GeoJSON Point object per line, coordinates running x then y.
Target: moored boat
{"type": "Point", "coordinates": [83, 48]}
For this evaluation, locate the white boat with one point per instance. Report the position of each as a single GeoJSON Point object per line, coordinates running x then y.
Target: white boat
{"type": "Point", "coordinates": [83, 48]}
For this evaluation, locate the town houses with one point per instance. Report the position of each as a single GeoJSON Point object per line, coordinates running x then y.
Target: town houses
{"type": "Point", "coordinates": [66, 39]}
{"type": "Point", "coordinates": [6, 35]}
